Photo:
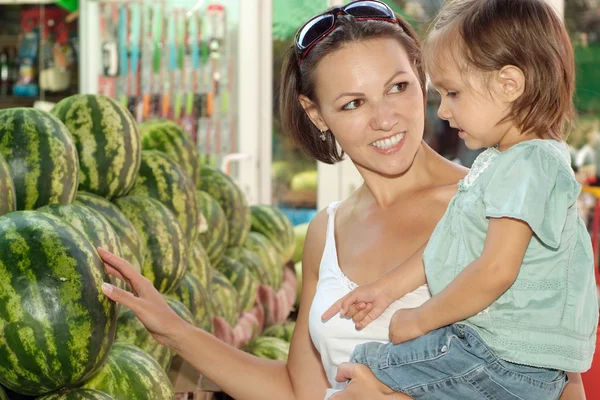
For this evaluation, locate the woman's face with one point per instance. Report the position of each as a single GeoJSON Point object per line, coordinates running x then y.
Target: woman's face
{"type": "Point", "coordinates": [370, 98]}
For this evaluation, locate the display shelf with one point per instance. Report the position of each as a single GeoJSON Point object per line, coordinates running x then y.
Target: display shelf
{"type": "Point", "coordinates": [18, 101]}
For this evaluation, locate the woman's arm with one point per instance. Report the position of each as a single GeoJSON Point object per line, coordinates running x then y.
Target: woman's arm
{"type": "Point", "coordinates": [241, 375]}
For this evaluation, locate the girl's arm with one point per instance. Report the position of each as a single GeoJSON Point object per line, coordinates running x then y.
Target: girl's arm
{"type": "Point", "coordinates": [241, 375]}
{"type": "Point", "coordinates": [484, 280]}
{"type": "Point", "coordinates": [574, 389]}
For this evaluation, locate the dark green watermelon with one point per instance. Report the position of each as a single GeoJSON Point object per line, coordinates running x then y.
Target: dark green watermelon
{"type": "Point", "coordinates": [192, 294]}
{"type": "Point", "coordinates": [242, 279]}
{"type": "Point", "coordinates": [41, 156]}
{"type": "Point", "coordinates": [253, 263]}
{"type": "Point", "coordinates": [199, 265]}
{"type": "Point", "coordinates": [166, 257]}
{"type": "Point", "coordinates": [216, 237]}
{"type": "Point", "coordinates": [225, 301]}
{"type": "Point", "coordinates": [269, 256]}
{"type": "Point", "coordinates": [77, 394]}
{"type": "Point", "coordinates": [57, 326]}
{"type": "Point", "coordinates": [276, 226]}
{"type": "Point", "coordinates": [162, 179]}
{"type": "Point", "coordinates": [108, 143]}
{"type": "Point", "coordinates": [131, 244]}
{"type": "Point", "coordinates": [130, 373]}
{"type": "Point", "coordinates": [233, 201]}
{"type": "Point", "coordinates": [168, 137]}
{"type": "Point", "coordinates": [8, 199]}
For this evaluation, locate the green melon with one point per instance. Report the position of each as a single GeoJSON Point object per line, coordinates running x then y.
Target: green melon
{"type": "Point", "coordinates": [215, 239]}
{"type": "Point", "coordinates": [266, 251]}
{"type": "Point", "coordinates": [41, 156]}
{"type": "Point", "coordinates": [165, 262]}
{"type": "Point", "coordinates": [3, 394]}
{"type": "Point", "coordinates": [282, 331]}
{"type": "Point", "coordinates": [273, 223]}
{"type": "Point", "coordinates": [200, 266]}
{"type": "Point", "coordinates": [168, 137]}
{"type": "Point", "coordinates": [8, 199]}
{"type": "Point", "coordinates": [162, 179]}
{"type": "Point", "coordinates": [131, 244]}
{"type": "Point", "coordinates": [243, 280]}
{"type": "Point", "coordinates": [225, 301]}
{"type": "Point", "coordinates": [130, 373]}
{"type": "Point", "coordinates": [268, 347]}
{"type": "Point", "coordinates": [108, 143]}
{"type": "Point", "coordinates": [57, 325]}
{"type": "Point", "coordinates": [77, 394]}
{"type": "Point", "coordinates": [253, 263]}
{"type": "Point", "coordinates": [192, 294]}
{"type": "Point", "coordinates": [233, 201]}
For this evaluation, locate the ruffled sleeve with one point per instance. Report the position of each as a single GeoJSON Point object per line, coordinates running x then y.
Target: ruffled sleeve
{"type": "Point", "coordinates": [532, 182]}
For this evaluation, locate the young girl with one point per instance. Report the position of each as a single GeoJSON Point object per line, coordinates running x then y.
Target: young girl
{"type": "Point", "coordinates": [510, 264]}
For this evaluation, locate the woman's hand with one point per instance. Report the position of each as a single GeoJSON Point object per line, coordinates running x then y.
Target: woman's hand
{"type": "Point", "coordinates": [363, 385]}
{"type": "Point", "coordinates": [144, 300]}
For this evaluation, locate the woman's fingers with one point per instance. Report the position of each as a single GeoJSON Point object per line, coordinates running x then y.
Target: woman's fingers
{"type": "Point", "coordinates": [121, 296]}
{"type": "Point", "coordinates": [121, 269]}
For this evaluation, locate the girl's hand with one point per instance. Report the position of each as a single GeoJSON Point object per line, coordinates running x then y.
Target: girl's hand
{"type": "Point", "coordinates": [364, 305]}
{"type": "Point", "coordinates": [406, 324]}
{"type": "Point", "coordinates": [144, 300]}
{"type": "Point", "coordinates": [363, 385]}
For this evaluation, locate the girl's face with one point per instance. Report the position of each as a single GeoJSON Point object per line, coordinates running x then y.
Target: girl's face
{"type": "Point", "coordinates": [370, 99]}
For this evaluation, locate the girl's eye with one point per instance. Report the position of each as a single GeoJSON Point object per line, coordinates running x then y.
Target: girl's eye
{"type": "Point", "coordinates": [354, 104]}
{"type": "Point", "coordinates": [452, 94]}
{"type": "Point", "coordinates": [399, 87]}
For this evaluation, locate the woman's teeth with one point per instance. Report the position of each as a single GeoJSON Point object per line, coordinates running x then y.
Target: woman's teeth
{"type": "Point", "coordinates": [389, 142]}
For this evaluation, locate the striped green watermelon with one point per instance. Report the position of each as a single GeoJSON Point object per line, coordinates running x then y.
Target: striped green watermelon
{"type": "Point", "coordinates": [92, 224]}
{"type": "Point", "coordinates": [77, 394]}
{"type": "Point", "coordinates": [108, 143]}
{"type": "Point", "coordinates": [41, 156]}
{"type": "Point", "coordinates": [268, 347]}
{"type": "Point", "coordinates": [192, 294]}
{"type": "Point", "coordinates": [215, 239]}
{"type": "Point", "coordinates": [8, 199]}
{"type": "Point", "coordinates": [273, 223]}
{"type": "Point", "coordinates": [162, 179]}
{"type": "Point", "coordinates": [233, 201]}
{"type": "Point", "coordinates": [3, 394]}
{"type": "Point", "coordinates": [243, 280]}
{"type": "Point", "coordinates": [57, 325]}
{"type": "Point", "coordinates": [165, 262]}
{"type": "Point", "coordinates": [199, 265]}
{"type": "Point", "coordinates": [282, 331]}
{"type": "Point", "coordinates": [129, 373]}
{"type": "Point", "coordinates": [131, 244]}
{"type": "Point", "coordinates": [131, 330]}
{"type": "Point", "coordinates": [253, 263]}
{"type": "Point", "coordinates": [266, 251]}
{"type": "Point", "coordinates": [225, 301]}
{"type": "Point", "coordinates": [168, 137]}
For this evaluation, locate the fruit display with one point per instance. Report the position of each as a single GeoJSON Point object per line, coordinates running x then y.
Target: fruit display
{"type": "Point", "coordinates": [85, 176]}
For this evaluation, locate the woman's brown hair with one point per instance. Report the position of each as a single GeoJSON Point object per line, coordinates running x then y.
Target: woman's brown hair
{"type": "Point", "coordinates": [486, 35]}
{"type": "Point", "coordinates": [299, 80]}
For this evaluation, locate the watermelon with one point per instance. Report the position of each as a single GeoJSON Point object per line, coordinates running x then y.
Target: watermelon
{"type": "Point", "coordinates": [268, 347]}
{"type": "Point", "coordinates": [77, 394]}
{"type": "Point", "coordinates": [131, 244]}
{"type": "Point", "coordinates": [57, 325]}
{"type": "Point", "coordinates": [41, 156]}
{"type": "Point", "coordinates": [162, 179]}
{"type": "Point", "coordinates": [165, 262]}
{"type": "Point", "coordinates": [129, 373]}
{"type": "Point", "coordinates": [8, 199]}
{"type": "Point", "coordinates": [273, 223]}
{"type": "Point", "coordinates": [216, 238]}
{"type": "Point", "coordinates": [192, 294]}
{"type": "Point", "coordinates": [253, 263]}
{"type": "Point", "coordinates": [3, 394]}
{"type": "Point", "coordinates": [282, 331]}
{"type": "Point", "coordinates": [225, 301]}
{"type": "Point", "coordinates": [107, 140]}
{"type": "Point", "coordinates": [168, 137]}
{"type": "Point", "coordinates": [199, 265]}
{"type": "Point", "coordinates": [243, 280]}
{"type": "Point", "coordinates": [233, 201]}
{"type": "Point", "coordinates": [266, 251]}
{"type": "Point", "coordinates": [131, 330]}
{"type": "Point", "coordinates": [300, 235]}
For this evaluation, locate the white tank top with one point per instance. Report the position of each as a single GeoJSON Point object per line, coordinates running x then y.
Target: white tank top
{"type": "Point", "coordinates": [335, 339]}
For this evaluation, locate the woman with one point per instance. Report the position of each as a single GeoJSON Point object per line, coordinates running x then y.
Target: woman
{"type": "Point", "coordinates": [353, 78]}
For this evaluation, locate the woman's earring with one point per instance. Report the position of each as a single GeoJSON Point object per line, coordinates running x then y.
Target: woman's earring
{"type": "Point", "coordinates": [323, 136]}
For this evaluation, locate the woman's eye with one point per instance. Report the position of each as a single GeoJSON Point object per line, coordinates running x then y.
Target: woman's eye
{"type": "Point", "coordinates": [354, 104]}
{"type": "Point", "coordinates": [399, 87]}
{"type": "Point", "coordinates": [452, 94]}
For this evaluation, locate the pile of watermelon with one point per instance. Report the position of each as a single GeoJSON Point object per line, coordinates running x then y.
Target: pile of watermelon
{"type": "Point", "coordinates": [86, 175]}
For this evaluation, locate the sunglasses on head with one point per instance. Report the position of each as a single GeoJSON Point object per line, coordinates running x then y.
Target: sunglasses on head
{"type": "Point", "coordinates": [322, 25]}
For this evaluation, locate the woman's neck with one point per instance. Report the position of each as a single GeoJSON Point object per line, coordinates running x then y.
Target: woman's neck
{"type": "Point", "coordinates": [385, 191]}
